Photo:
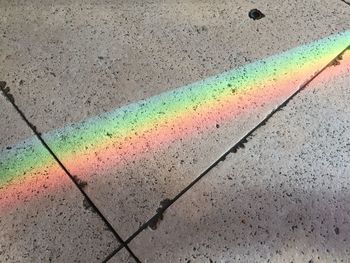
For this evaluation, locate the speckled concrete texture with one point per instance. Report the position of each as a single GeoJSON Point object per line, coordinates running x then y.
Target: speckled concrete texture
{"type": "Point", "coordinates": [65, 62]}
{"type": "Point", "coordinates": [42, 213]}
{"type": "Point", "coordinates": [69, 60]}
{"type": "Point", "coordinates": [122, 256]}
{"type": "Point", "coordinates": [282, 198]}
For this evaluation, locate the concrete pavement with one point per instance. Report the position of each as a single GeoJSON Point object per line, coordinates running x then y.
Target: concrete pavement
{"type": "Point", "coordinates": [107, 87]}
{"type": "Point", "coordinates": [283, 197]}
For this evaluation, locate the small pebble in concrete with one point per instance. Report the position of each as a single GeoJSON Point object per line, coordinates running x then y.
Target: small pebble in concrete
{"type": "Point", "coordinates": [256, 14]}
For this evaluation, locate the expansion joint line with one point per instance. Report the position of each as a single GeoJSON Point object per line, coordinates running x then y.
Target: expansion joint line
{"type": "Point", "coordinates": [6, 92]}
{"type": "Point", "coordinates": [346, 2]}
{"type": "Point", "coordinates": [233, 149]}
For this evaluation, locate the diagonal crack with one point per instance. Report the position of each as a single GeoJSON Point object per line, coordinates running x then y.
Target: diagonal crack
{"type": "Point", "coordinates": [346, 2]}
{"type": "Point", "coordinates": [165, 204]}
{"type": "Point", "coordinates": [87, 200]}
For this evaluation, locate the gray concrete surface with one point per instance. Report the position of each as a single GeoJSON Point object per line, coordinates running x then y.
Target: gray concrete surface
{"type": "Point", "coordinates": [284, 197]}
{"type": "Point", "coordinates": [42, 213]}
{"type": "Point", "coordinates": [122, 256]}
{"type": "Point", "coordinates": [68, 61]}
{"type": "Point", "coordinates": [90, 57]}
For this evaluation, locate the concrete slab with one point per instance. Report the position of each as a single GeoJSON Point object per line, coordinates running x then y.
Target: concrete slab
{"type": "Point", "coordinates": [66, 62]}
{"type": "Point", "coordinates": [282, 198]}
{"type": "Point", "coordinates": [43, 217]}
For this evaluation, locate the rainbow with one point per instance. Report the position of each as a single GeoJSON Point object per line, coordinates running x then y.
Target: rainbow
{"type": "Point", "coordinates": [127, 133]}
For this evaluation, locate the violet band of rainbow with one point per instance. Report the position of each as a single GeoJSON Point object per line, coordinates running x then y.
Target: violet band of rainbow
{"type": "Point", "coordinates": [134, 129]}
